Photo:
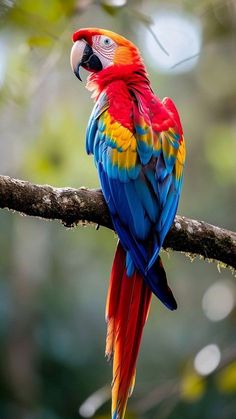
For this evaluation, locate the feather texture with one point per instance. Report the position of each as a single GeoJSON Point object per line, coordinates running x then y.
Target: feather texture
{"type": "Point", "coordinates": [128, 303]}
{"type": "Point", "coordinates": [139, 151]}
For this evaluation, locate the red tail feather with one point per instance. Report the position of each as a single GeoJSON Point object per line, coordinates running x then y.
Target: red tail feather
{"type": "Point", "coordinates": [128, 303]}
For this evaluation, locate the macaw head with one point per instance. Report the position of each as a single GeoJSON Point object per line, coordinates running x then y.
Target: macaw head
{"type": "Point", "coordinates": [97, 49]}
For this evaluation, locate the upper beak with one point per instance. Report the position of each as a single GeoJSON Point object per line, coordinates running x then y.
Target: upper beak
{"type": "Point", "coordinates": [82, 55]}
{"type": "Point", "coordinates": [76, 56]}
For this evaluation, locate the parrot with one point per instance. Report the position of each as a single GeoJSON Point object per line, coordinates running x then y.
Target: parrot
{"type": "Point", "coordinates": [139, 151]}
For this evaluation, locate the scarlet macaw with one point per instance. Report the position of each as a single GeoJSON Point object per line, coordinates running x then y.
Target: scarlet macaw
{"type": "Point", "coordinates": [139, 151]}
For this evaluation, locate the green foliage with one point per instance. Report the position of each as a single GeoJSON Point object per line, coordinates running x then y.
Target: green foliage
{"type": "Point", "coordinates": [220, 145]}
{"type": "Point", "coordinates": [52, 157]}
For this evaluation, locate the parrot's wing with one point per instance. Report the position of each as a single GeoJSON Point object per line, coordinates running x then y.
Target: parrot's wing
{"type": "Point", "coordinates": [164, 158]}
{"type": "Point", "coordinates": [119, 168]}
{"type": "Point", "coordinates": [133, 177]}
{"type": "Point", "coordinates": [115, 151]}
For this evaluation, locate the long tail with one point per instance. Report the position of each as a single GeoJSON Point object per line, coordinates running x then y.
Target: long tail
{"type": "Point", "coordinates": [127, 308]}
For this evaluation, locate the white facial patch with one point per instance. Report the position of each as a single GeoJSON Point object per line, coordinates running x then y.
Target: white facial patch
{"type": "Point", "coordinates": [105, 47]}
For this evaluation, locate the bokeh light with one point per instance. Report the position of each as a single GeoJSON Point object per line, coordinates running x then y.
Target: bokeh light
{"type": "Point", "coordinates": [181, 36]}
{"type": "Point", "coordinates": [94, 402]}
{"type": "Point", "coordinates": [218, 301]}
{"type": "Point", "coordinates": [207, 359]}
{"type": "Point", "coordinates": [114, 3]}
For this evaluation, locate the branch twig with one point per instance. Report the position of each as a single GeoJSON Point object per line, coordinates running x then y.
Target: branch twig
{"type": "Point", "coordinates": [72, 206]}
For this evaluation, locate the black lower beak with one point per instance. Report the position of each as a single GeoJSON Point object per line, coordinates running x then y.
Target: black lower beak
{"type": "Point", "coordinates": [77, 72]}
{"type": "Point", "coordinates": [89, 61]}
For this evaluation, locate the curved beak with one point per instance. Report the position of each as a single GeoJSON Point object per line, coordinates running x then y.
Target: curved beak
{"type": "Point", "coordinates": [82, 55]}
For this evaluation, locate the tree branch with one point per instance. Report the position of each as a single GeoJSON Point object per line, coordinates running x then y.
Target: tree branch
{"type": "Point", "coordinates": [72, 206]}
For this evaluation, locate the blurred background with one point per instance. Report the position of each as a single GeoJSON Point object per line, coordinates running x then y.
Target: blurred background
{"type": "Point", "coordinates": [53, 281]}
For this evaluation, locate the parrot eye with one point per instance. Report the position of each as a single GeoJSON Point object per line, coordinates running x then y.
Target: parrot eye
{"type": "Point", "coordinates": [105, 42]}
{"type": "Point", "coordinates": [105, 47]}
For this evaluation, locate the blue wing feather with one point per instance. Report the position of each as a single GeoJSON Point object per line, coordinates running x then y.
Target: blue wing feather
{"type": "Point", "coordinates": [142, 198]}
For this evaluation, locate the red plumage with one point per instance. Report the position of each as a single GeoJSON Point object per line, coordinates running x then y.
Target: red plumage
{"type": "Point", "coordinates": [128, 303]}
